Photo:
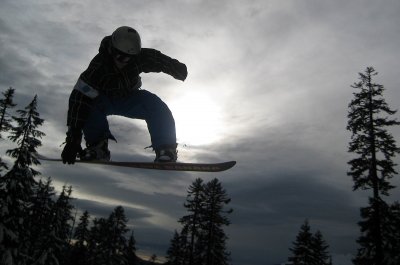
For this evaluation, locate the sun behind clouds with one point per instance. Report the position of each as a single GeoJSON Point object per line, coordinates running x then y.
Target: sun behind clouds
{"type": "Point", "coordinates": [198, 118]}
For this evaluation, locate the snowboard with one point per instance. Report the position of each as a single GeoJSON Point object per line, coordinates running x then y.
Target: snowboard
{"type": "Point", "coordinates": [173, 166]}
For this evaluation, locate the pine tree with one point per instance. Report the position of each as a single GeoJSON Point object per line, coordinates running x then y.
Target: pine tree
{"type": "Point", "coordinates": [5, 125]}
{"type": "Point", "coordinates": [130, 251]}
{"type": "Point", "coordinates": [176, 254]}
{"type": "Point", "coordinates": [80, 252]}
{"type": "Point", "coordinates": [370, 140]}
{"type": "Point", "coordinates": [390, 224]}
{"type": "Point", "coordinates": [107, 243]}
{"type": "Point", "coordinates": [215, 218]}
{"type": "Point", "coordinates": [49, 227]}
{"type": "Point", "coordinates": [26, 136]}
{"type": "Point", "coordinates": [320, 250]}
{"type": "Point", "coordinates": [39, 219]}
{"type": "Point", "coordinates": [301, 251]}
{"type": "Point", "coordinates": [61, 223]}
{"type": "Point", "coordinates": [82, 230]}
{"type": "Point", "coordinates": [373, 168]}
{"type": "Point", "coordinates": [5, 120]}
{"type": "Point", "coordinates": [392, 242]}
{"type": "Point", "coordinates": [104, 243]}
{"type": "Point", "coordinates": [309, 248]}
{"type": "Point", "coordinates": [18, 187]}
{"type": "Point", "coordinates": [202, 239]}
{"type": "Point", "coordinates": [192, 222]}
{"type": "Point", "coordinates": [5, 104]}
{"type": "Point", "coordinates": [116, 243]}
{"type": "Point", "coordinates": [97, 240]}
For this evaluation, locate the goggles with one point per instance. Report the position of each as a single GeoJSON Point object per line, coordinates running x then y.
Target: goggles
{"type": "Point", "coordinates": [121, 56]}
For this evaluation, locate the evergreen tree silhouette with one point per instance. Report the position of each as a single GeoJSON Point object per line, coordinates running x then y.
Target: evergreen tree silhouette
{"type": "Point", "coordinates": [5, 118]}
{"type": "Point", "coordinates": [107, 242]}
{"type": "Point", "coordinates": [192, 222]}
{"type": "Point", "coordinates": [26, 135]}
{"type": "Point", "coordinates": [202, 239]}
{"type": "Point", "coordinates": [61, 224]}
{"type": "Point", "coordinates": [302, 250]}
{"type": "Point", "coordinates": [40, 219]}
{"type": "Point", "coordinates": [116, 243]}
{"type": "Point", "coordinates": [82, 230]}
{"type": "Point", "coordinates": [215, 218]}
{"type": "Point", "coordinates": [48, 224]}
{"type": "Point", "coordinates": [5, 104]}
{"type": "Point", "coordinates": [176, 254]}
{"type": "Point", "coordinates": [130, 251]}
{"type": "Point", "coordinates": [80, 252]}
{"type": "Point", "coordinates": [97, 241]}
{"type": "Point", "coordinates": [392, 234]}
{"type": "Point", "coordinates": [369, 118]}
{"type": "Point", "coordinates": [320, 250]}
{"type": "Point", "coordinates": [18, 187]}
{"type": "Point", "coordinates": [309, 248]}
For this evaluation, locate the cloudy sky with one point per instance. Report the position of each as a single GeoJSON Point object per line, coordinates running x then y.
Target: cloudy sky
{"type": "Point", "coordinates": [268, 86]}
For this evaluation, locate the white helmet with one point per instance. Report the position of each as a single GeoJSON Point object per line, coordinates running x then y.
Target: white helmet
{"type": "Point", "coordinates": [126, 40]}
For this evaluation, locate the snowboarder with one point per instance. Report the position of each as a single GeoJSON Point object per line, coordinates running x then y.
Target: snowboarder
{"type": "Point", "coordinates": [111, 85]}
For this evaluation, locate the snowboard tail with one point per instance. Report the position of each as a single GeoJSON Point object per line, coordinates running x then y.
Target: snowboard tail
{"type": "Point", "coordinates": [174, 166]}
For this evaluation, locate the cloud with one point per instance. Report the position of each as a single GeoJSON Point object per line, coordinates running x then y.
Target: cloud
{"type": "Point", "coordinates": [280, 74]}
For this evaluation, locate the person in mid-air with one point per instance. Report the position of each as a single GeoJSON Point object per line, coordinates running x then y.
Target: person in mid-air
{"type": "Point", "coordinates": [111, 85]}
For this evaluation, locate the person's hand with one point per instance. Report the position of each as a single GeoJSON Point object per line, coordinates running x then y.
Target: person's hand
{"type": "Point", "coordinates": [180, 71]}
{"type": "Point", "coordinates": [72, 147]}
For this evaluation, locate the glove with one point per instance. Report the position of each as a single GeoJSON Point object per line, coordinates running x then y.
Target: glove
{"type": "Point", "coordinates": [180, 71]}
{"type": "Point", "coordinates": [72, 146]}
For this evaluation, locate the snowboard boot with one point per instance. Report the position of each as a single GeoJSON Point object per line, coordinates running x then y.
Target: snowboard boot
{"type": "Point", "coordinates": [97, 151]}
{"type": "Point", "coordinates": [166, 153]}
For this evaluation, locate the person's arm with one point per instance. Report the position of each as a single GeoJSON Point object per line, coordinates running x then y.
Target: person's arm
{"type": "Point", "coordinates": [78, 110]}
{"type": "Point", "coordinates": [154, 61]}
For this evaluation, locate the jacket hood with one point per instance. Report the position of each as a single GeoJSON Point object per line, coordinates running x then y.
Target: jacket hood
{"type": "Point", "coordinates": [104, 45]}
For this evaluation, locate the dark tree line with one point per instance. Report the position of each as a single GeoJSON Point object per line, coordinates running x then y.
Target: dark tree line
{"type": "Point", "coordinates": [202, 239]}
{"type": "Point", "coordinates": [35, 222]}
{"type": "Point", "coordinates": [37, 225]}
{"type": "Point", "coordinates": [103, 242]}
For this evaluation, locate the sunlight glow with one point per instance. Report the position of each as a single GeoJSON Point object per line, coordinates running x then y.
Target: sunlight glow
{"type": "Point", "coordinates": [198, 119]}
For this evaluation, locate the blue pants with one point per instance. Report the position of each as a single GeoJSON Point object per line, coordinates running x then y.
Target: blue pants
{"type": "Point", "coordinates": [140, 104]}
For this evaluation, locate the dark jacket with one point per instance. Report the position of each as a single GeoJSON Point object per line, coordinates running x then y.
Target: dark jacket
{"type": "Point", "coordinates": [103, 76]}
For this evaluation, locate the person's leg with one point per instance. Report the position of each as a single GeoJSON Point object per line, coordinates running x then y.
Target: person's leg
{"type": "Point", "coordinates": [149, 107]}
{"type": "Point", "coordinates": [96, 127]}
{"type": "Point", "coordinates": [97, 132]}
